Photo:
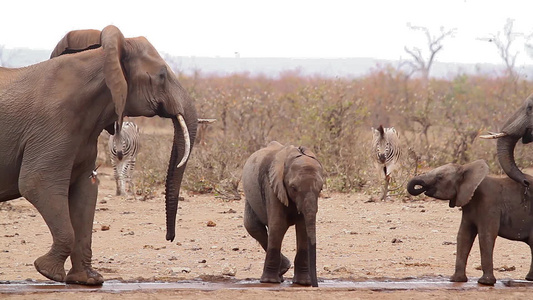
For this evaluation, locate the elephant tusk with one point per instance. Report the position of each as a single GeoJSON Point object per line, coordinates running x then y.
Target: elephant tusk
{"type": "Point", "coordinates": [187, 139]}
{"type": "Point", "coordinates": [206, 121]}
{"type": "Point", "coordinates": [493, 135]}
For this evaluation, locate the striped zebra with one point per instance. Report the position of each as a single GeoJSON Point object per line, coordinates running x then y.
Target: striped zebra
{"type": "Point", "coordinates": [386, 153]}
{"type": "Point", "coordinates": [123, 167]}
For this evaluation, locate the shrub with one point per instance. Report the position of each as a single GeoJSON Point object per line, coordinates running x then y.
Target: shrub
{"type": "Point", "coordinates": [438, 123]}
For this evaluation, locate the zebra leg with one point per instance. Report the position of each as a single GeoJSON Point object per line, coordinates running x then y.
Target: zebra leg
{"type": "Point", "coordinates": [117, 176]}
{"type": "Point", "coordinates": [123, 176]}
{"type": "Point", "coordinates": [385, 189]}
{"type": "Point", "coordinates": [129, 175]}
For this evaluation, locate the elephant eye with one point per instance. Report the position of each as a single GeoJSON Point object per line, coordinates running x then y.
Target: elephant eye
{"type": "Point", "coordinates": [162, 75]}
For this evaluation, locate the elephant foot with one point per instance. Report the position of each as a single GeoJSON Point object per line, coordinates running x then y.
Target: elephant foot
{"type": "Point", "coordinates": [271, 279]}
{"type": "Point", "coordinates": [86, 277]}
{"type": "Point", "coordinates": [50, 268]}
{"type": "Point", "coordinates": [458, 278]}
{"type": "Point", "coordinates": [302, 279]}
{"type": "Point", "coordinates": [285, 266]}
{"type": "Point", "coordinates": [529, 276]}
{"type": "Point", "coordinates": [487, 280]}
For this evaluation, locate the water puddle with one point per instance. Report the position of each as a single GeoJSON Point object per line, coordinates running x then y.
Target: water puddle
{"type": "Point", "coordinates": [114, 286]}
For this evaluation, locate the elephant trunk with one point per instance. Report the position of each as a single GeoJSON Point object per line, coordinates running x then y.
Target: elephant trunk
{"type": "Point", "coordinates": [505, 152]}
{"type": "Point", "coordinates": [310, 224]}
{"type": "Point", "coordinates": [312, 263]}
{"type": "Point", "coordinates": [184, 134]}
{"type": "Point", "coordinates": [411, 186]}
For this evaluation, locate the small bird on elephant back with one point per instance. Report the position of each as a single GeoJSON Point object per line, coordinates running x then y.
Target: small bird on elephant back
{"type": "Point", "coordinates": [282, 185]}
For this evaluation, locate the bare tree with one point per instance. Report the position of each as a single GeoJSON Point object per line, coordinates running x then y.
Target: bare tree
{"type": "Point", "coordinates": [434, 42]}
{"type": "Point", "coordinates": [503, 42]}
{"type": "Point", "coordinates": [420, 107]}
{"type": "Point", "coordinates": [528, 44]}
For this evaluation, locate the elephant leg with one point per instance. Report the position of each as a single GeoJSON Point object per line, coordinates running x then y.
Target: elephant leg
{"type": "Point", "coordinates": [82, 204]}
{"type": "Point", "coordinates": [49, 197]}
{"type": "Point", "coordinates": [301, 261]}
{"type": "Point", "coordinates": [465, 240]}
{"type": "Point", "coordinates": [486, 246]}
{"type": "Point", "coordinates": [259, 232]}
{"type": "Point", "coordinates": [274, 261]}
{"type": "Point", "coordinates": [529, 275]}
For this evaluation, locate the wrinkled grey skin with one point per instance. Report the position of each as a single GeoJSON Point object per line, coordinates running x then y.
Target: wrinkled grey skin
{"type": "Point", "coordinates": [492, 206]}
{"type": "Point", "coordinates": [281, 185]}
{"type": "Point", "coordinates": [518, 126]}
{"type": "Point", "coordinates": [52, 114]}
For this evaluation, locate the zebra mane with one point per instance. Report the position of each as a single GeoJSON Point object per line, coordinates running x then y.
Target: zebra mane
{"type": "Point", "coordinates": [381, 131]}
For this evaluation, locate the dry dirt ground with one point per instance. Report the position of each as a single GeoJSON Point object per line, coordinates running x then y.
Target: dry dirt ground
{"type": "Point", "coordinates": [358, 240]}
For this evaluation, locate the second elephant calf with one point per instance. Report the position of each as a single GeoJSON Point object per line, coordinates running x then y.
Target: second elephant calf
{"type": "Point", "coordinates": [492, 206]}
{"type": "Point", "coordinates": [281, 185]}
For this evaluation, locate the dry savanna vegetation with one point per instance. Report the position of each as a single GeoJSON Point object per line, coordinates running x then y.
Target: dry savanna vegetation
{"type": "Point", "coordinates": [439, 121]}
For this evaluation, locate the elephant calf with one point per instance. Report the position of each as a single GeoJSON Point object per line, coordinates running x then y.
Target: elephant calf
{"type": "Point", "coordinates": [492, 206]}
{"type": "Point", "coordinates": [281, 185]}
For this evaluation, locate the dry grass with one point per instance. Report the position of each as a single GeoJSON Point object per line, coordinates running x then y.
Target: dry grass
{"type": "Point", "coordinates": [437, 124]}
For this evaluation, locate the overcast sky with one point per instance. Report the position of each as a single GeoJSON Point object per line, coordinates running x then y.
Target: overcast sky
{"type": "Point", "coordinates": [277, 28]}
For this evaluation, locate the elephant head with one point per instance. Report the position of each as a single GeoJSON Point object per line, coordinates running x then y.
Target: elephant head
{"type": "Point", "coordinates": [518, 126]}
{"type": "Point", "coordinates": [453, 182]}
{"type": "Point", "coordinates": [297, 176]}
{"type": "Point", "coordinates": [140, 83]}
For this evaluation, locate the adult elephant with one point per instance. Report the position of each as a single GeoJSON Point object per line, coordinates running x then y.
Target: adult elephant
{"type": "Point", "coordinates": [491, 207]}
{"type": "Point", "coordinates": [52, 114]}
{"type": "Point", "coordinates": [281, 185]}
{"type": "Point", "coordinates": [518, 126]}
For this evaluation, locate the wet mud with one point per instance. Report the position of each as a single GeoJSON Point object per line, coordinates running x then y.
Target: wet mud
{"type": "Point", "coordinates": [114, 286]}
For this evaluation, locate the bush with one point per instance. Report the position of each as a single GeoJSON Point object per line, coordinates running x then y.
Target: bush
{"type": "Point", "coordinates": [438, 122]}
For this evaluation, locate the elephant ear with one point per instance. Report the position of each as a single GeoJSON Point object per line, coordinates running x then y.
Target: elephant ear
{"type": "Point", "coordinates": [77, 41]}
{"type": "Point", "coordinates": [113, 44]}
{"type": "Point", "coordinates": [473, 174]}
{"type": "Point", "coordinates": [277, 173]}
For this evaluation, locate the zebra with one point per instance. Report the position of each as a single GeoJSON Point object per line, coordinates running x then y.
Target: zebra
{"type": "Point", "coordinates": [123, 167]}
{"type": "Point", "coordinates": [386, 153]}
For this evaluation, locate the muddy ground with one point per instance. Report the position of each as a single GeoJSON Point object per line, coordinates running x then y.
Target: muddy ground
{"type": "Point", "coordinates": [359, 239]}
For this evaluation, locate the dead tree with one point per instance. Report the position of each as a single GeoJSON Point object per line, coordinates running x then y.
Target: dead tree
{"type": "Point", "coordinates": [423, 63]}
